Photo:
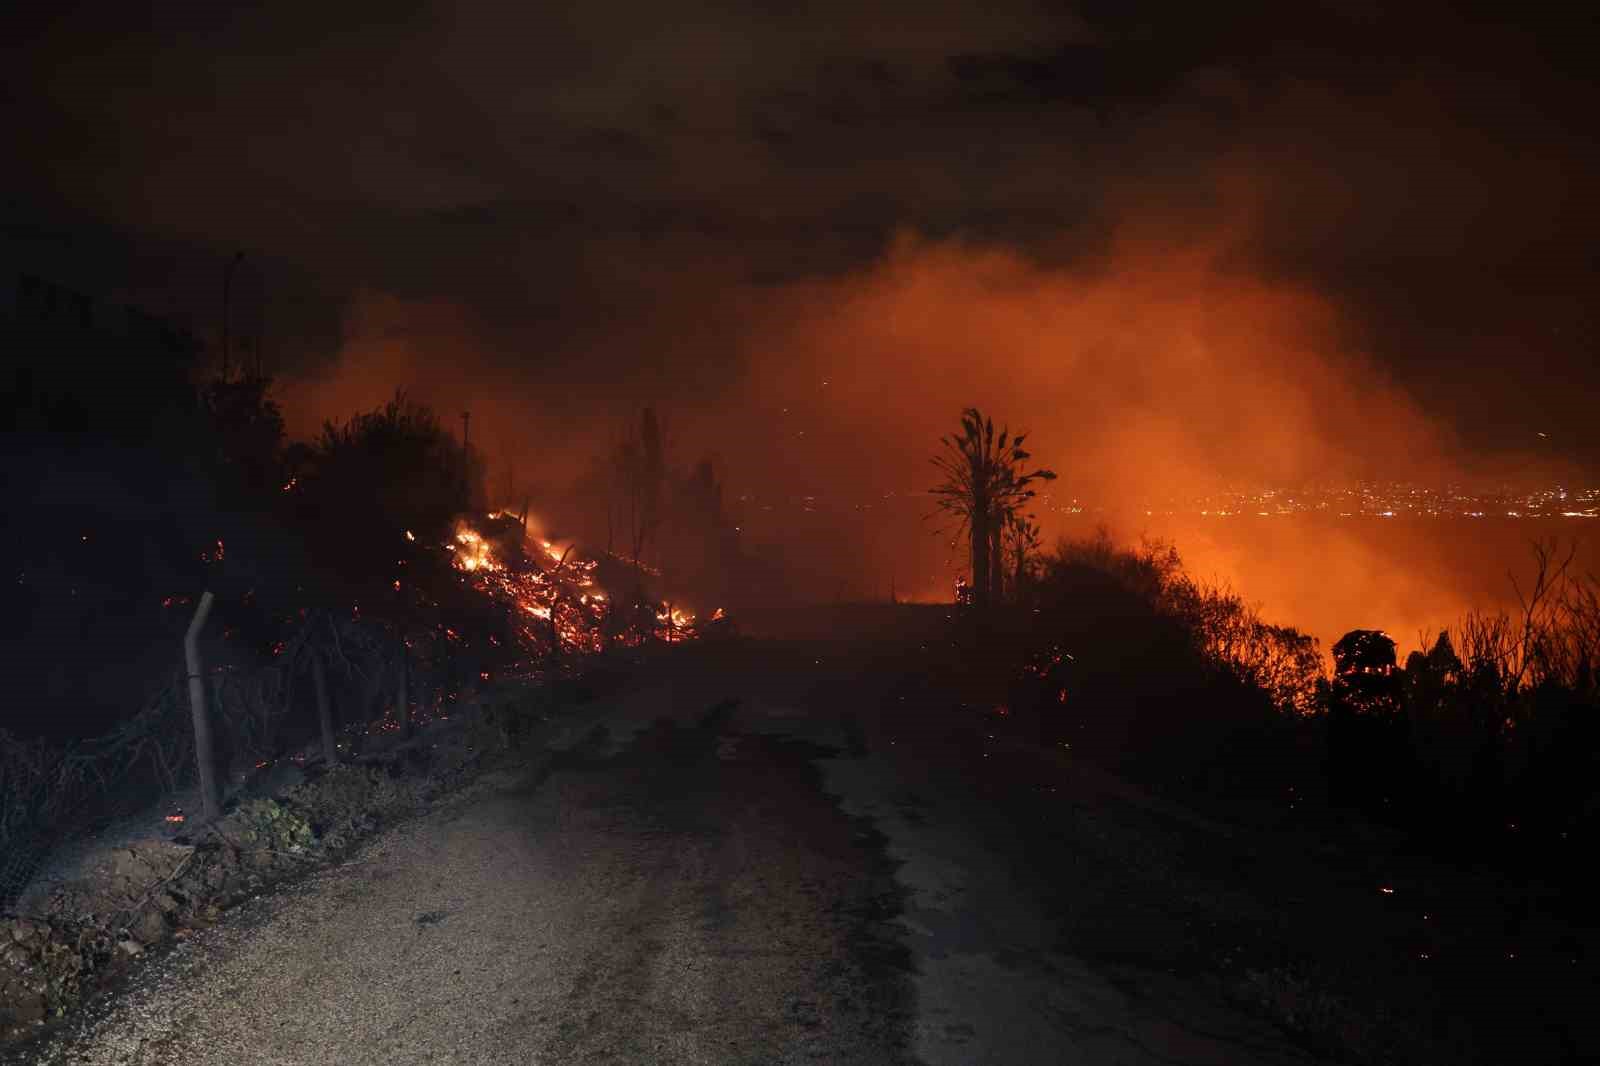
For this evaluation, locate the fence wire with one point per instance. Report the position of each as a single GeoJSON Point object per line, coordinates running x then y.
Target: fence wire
{"type": "Point", "coordinates": [53, 795]}
{"type": "Point", "coordinates": [55, 798]}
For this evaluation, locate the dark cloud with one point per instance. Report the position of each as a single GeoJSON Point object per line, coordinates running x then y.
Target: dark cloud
{"type": "Point", "coordinates": [582, 191]}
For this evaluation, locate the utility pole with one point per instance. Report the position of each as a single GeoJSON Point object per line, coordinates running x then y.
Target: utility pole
{"type": "Point", "coordinates": [227, 291]}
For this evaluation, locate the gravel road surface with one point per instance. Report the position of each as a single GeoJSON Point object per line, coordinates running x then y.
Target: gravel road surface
{"type": "Point", "coordinates": [719, 867]}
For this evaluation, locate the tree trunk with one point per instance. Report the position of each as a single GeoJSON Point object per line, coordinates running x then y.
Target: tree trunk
{"type": "Point", "coordinates": [997, 570]}
{"type": "Point", "coordinates": [402, 695]}
{"type": "Point", "coordinates": [980, 557]}
{"type": "Point", "coordinates": [319, 678]}
{"type": "Point", "coordinates": [204, 750]}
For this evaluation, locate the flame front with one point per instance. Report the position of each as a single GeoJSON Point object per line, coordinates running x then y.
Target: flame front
{"type": "Point", "coordinates": [556, 603]}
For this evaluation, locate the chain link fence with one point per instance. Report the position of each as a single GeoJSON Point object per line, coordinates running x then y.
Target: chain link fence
{"type": "Point", "coordinates": [62, 801]}
{"type": "Point", "coordinates": [52, 795]}
{"type": "Point", "coordinates": [55, 799]}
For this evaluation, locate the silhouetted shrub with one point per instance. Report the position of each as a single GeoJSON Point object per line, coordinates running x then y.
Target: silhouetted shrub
{"type": "Point", "coordinates": [1121, 655]}
{"type": "Point", "coordinates": [1490, 739]}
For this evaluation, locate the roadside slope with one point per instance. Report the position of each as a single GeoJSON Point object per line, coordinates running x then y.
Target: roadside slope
{"type": "Point", "coordinates": [686, 898]}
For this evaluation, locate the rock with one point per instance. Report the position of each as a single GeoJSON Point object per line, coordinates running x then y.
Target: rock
{"type": "Point", "coordinates": [27, 1008]}
{"type": "Point", "coordinates": [130, 947]}
{"type": "Point", "coordinates": [152, 927]}
{"type": "Point", "coordinates": [25, 931]}
{"type": "Point", "coordinates": [16, 957]}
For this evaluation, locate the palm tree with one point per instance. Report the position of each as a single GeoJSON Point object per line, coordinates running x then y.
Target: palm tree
{"type": "Point", "coordinates": [984, 487]}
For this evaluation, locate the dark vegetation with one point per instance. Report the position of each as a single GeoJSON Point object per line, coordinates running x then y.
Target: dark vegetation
{"type": "Point", "coordinates": [139, 481]}
{"type": "Point", "coordinates": [985, 487]}
{"type": "Point", "coordinates": [1486, 751]}
{"type": "Point", "coordinates": [1487, 743]}
{"type": "Point", "coordinates": [1460, 790]}
{"type": "Point", "coordinates": [140, 477]}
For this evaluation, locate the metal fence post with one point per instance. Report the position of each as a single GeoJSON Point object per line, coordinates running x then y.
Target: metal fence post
{"type": "Point", "coordinates": [210, 797]}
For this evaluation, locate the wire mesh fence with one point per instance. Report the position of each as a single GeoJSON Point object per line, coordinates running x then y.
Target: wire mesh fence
{"type": "Point", "coordinates": [529, 618]}
{"type": "Point", "coordinates": [52, 795]}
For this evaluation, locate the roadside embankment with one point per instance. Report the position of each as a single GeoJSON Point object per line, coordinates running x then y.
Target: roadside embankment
{"type": "Point", "coordinates": [69, 939]}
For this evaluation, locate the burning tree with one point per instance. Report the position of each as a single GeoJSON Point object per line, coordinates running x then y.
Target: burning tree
{"type": "Point", "coordinates": [985, 486]}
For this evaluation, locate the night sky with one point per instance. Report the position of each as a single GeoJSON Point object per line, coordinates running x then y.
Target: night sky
{"type": "Point", "coordinates": [1180, 242]}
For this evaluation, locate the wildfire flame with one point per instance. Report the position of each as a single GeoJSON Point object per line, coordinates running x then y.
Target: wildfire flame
{"type": "Point", "coordinates": [558, 605]}
{"type": "Point", "coordinates": [472, 551]}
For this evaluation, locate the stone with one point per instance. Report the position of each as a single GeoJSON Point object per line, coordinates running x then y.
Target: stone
{"type": "Point", "coordinates": [130, 947]}
{"type": "Point", "coordinates": [28, 1009]}
{"type": "Point", "coordinates": [24, 931]}
{"type": "Point", "coordinates": [151, 928]}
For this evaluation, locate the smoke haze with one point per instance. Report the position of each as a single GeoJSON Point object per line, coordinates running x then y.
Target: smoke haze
{"type": "Point", "coordinates": [1155, 370]}
{"type": "Point", "coordinates": [1182, 245]}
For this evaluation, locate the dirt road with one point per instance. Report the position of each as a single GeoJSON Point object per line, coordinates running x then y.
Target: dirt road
{"type": "Point", "coordinates": [726, 865]}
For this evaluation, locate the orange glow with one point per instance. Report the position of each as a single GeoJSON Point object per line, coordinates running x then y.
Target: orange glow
{"type": "Point", "coordinates": [1167, 368]}
{"type": "Point", "coordinates": [1174, 359]}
